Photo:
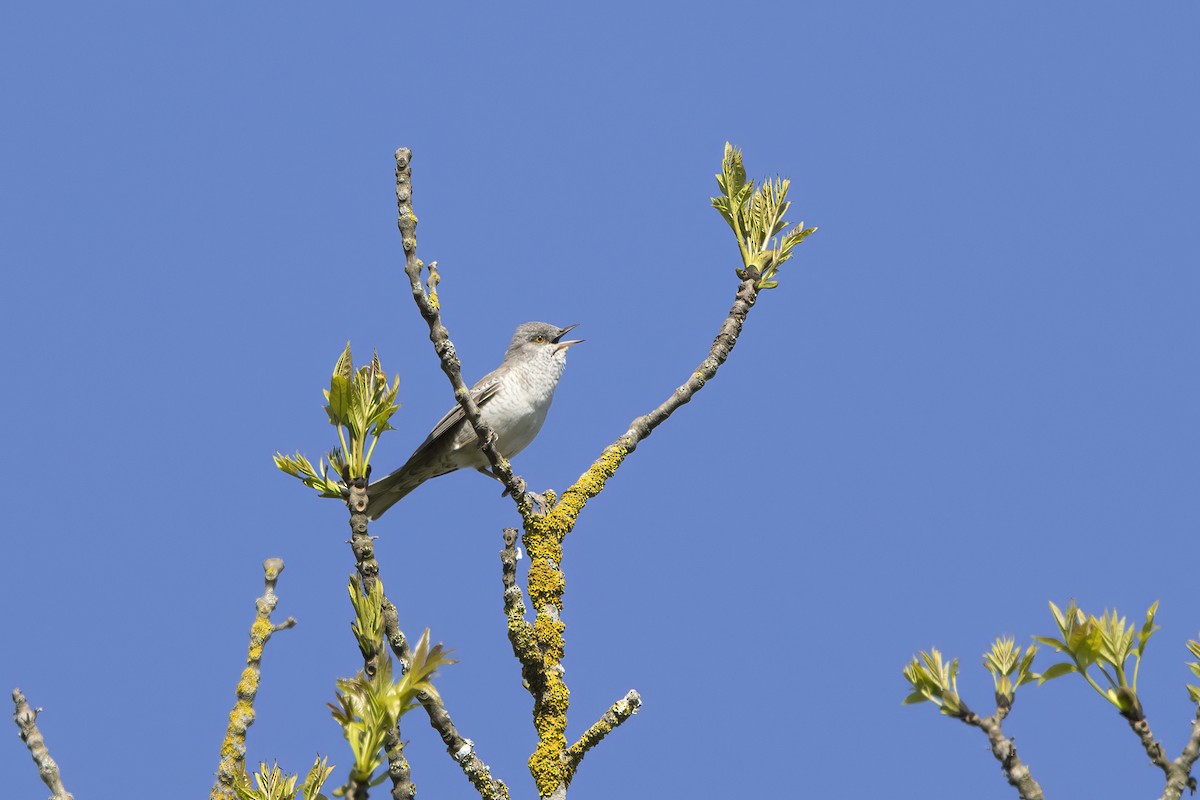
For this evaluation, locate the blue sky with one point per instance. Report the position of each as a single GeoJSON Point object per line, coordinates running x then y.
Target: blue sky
{"type": "Point", "coordinates": [975, 389]}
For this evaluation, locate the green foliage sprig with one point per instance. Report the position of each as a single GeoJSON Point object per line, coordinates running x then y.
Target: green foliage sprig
{"type": "Point", "coordinates": [756, 218]}
{"type": "Point", "coordinates": [368, 617]}
{"type": "Point", "coordinates": [936, 681]}
{"type": "Point", "coordinates": [368, 707]}
{"type": "Point", "coordinates": [272, 784]}
{"type": "Point", "coordinates": [1003, 660]}
{"type": "Point", "coordinates": [1193, 647]}
{"type": "Point", "coordinates": [360, 404]}
{"type": "Point", "coordinates": [933, 680]}
{"type": "Point", "coordinates": [1102, 645]}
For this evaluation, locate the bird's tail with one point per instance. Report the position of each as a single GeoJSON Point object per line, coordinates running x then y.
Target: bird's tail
{"type": "Point", "coordinates": [386, 492]}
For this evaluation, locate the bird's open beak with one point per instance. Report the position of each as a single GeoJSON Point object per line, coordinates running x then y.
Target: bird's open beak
{"type": "Point", "coordinates": [564, 345]}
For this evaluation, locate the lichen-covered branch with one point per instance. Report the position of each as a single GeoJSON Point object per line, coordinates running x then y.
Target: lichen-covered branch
{"type": "Point", "coordinates": [563, 515]}
{"type": "Point", "coordinates": [233, 748]}
{"type": "Point", "coordinates": [26, 720]}
{"type": "Point", "coordinates": [520, 632]}
{"type": "Point", "coordinates": [551, 698]}
{"type": "Point", "coordinates": [1005, 751]}
{"type": "Point", "coordinates": [620, 711]}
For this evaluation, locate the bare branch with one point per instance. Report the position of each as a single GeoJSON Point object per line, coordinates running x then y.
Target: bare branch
{"type": "Point", "coordinates": [1005, 751]}
{"type": "Point", "coordinates": [1187, 759]}
{"type": "Point", "coordinates": [1177, 772]}
{"type": "Point", "coordinates": [462, 750]}
{"type": "Point", "coordinates": [429, 308]}
{"type": "Point", "coordinates": [233, 748]}
{"type": "Point", "coordinates": [26, 720]}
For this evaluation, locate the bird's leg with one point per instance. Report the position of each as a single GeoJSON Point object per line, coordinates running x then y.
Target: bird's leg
{"type": "Point", "coordinates": [539, 501]}
{"type": "Point", "coordinates": [490, 474]}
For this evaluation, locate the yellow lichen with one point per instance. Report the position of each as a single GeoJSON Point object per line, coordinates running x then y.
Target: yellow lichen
{"type": "Point", "coordinates": [561, 520]}
{"type": "Point", "coordinates": [545, 765]}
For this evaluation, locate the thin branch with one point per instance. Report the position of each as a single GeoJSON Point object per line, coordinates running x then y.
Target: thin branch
{"type": "Point", "coordinates": [26, 720]}
{"type": "Point", "coordinates": [1191, 751]}
{"type": "Point", "coordinates": [562, 517]}
{"type": "Point", "coordinates": [620, 711]}
{"type": "Point", "coordinates": [1177, 772]}
{"type": "Point", "coordinates": [462, 750]}
{"type": "Point", "coordinates": [520, 632]}
{"type": "Point", "coordinates": [1005, 751]}
{"type": "Point", "coordinates": [368, 572]}
{"type": "Point", "coordinates": [233, 748]}
{"type": "Point", "coordinates": [447, 356]}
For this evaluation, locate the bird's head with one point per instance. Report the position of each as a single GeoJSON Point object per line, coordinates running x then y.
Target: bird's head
{"type": "Point", "coordinates": [541, 339]}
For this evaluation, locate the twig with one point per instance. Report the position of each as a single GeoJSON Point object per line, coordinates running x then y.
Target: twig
{"type": "Point", "coordinates": [1005, 751]}
{"type": "Point", "coordinates": [591, 483]}
{"type": "Point", "coordinates": [233, 748]}
{"type": "Point", "coordinates": [462, 750]}
{"type": "Point", "coordinates": [620, 711]}
{"type": "Point", "coordinates": [429, 308]}
{"type": "Point", "coordinates": [368, 572]}
{"type": "Point", "coordinates": [520, 632]}
{"type": "Point", "coordinates": [1177, 772]}
{"type": "Point", "coordinates": [1191, 751]}
{"type": "Point", "coordinates": [26, 720]}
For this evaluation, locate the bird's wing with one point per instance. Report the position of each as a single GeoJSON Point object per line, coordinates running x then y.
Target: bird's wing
{"type": "Point", "coordinates": [481, 392]}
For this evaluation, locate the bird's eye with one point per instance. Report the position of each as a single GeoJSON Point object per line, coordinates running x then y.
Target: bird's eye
{"type": "Point", "coordinates": [539, 339]}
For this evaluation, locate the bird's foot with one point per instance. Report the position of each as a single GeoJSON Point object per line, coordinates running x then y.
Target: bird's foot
{"type": "Point", "coordinates": [540, 506]}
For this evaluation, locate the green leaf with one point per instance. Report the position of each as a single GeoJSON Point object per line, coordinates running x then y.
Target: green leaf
{"type": "Point", "coordinates": [915, 697]}
{"type": "Point", "coordinates": [1056, 671]}
{"type": "Point", "coordinates": [1194, 693]}
{"type": "Point", "coordinates": [1024, 675]}
{"type": "Point", "coordinates": [339, 395]}
{"type": "Point", "coordinates": [1059, 620]}
{"type": "Point", "coordinates": [1148, 628]}
{"type": "Point", "coordinates": [1055, 643]}
{"type": "Point", "coordinates": [320, 772]}
{"type": "Point", "coordinates": [1194, 648]}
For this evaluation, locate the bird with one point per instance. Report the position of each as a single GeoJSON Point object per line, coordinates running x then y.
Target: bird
{"type": "Point", "coordinates": [513, 399]}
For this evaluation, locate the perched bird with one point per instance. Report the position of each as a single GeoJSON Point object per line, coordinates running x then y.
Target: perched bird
{"type": "Point", "coordinates": [513, 399]}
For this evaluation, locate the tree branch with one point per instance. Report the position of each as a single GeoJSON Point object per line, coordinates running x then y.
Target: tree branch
{"type": "Point", "coordinates": [1005, 751]}
{"type": "Point", "coordinates": [460, 749]}
{"type": "Point", "coordinates": [463, 751]}
{"type": "Point", "coordinates": [1191, 751]}
{"type": "Point", "coordinates": [447, 356]}
{"type": "Point", "coordinates": [1177, 772]}
{"type": "Point", "coordinates": [26, 720]}
{"type": "Point", "coordinates": [233, 748]}
{"type": "Point", "coordinates": [620, 711]}
{"type": "Point", "coordinates": [540, 646]}
{"type": "Point", "coordinates": [520, 632]}
{"type": "Point", "coordinates": [562, 517]}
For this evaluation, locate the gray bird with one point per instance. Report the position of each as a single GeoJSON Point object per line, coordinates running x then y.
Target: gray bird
{"type": "Point", "coordinates": [513, 399]}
